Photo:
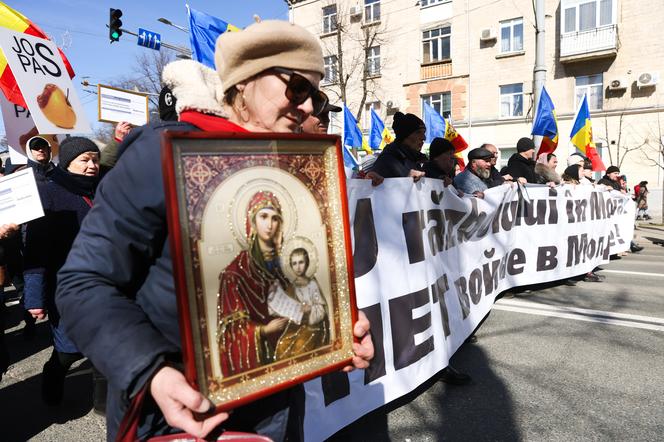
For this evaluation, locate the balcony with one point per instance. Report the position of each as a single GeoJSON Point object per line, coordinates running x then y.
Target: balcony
{"type": "Point", "coordinates": [599, 42]}
{"type": "Point", "coordinates": [436, 70]}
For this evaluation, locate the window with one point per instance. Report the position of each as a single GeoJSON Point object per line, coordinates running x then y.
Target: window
{"type": "Point", "coordinates": [424, 3]}
{"type": "Point", "coordinates": [371, 11]}
{"type": "Point", "coordinates": [331, 69]}
{"type": "Point", "coordinates": [329, 19]}
{"type": "Point", "coordinates": [373, 61]}
{"type": "Point", "coordinates": [584, 15]}
{"type": "Point", "coordinates": [511, 100]}
{"type": "Point", "coordinates": [511, 35]}
{"type": "Point", "coordinates": [593, 88]}
{"type": "Point", "coordinates": [442, 103]}
{"type": "Point", "coordinates": [436, 44]}
{"type": "Point", "coordinates": [366, 117]}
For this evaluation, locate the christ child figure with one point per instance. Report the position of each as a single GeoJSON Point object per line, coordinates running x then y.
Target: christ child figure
{"type": "Point", "coordinates": [313, 330]}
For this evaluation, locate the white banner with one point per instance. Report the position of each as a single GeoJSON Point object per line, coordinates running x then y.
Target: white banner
{"type": "Point", "coordinates": [44, 82]}
{"type": "Point", "coordinates": [429, 264]}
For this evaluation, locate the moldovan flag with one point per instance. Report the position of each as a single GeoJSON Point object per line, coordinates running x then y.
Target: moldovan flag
{"type": "Point", "coordinates": [582, 136]}
{"type": "Point", "coordinates": [546, 124]}
{"type": "Point", "coordinates": [379, 136]}
{"type": "Point", "coordinates": [352, 132]}
{"type": "Point", "coordinates": [439, 127]}
{"type": "Point", "coordinates": [14, 20]}
{"type": "Point", "coordinates": [203, 32]}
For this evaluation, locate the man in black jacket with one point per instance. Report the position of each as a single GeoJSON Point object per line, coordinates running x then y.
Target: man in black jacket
{"type": "Point", "coordinates": [521, 164]}
{"type": "Point", "coordinates": [403, 157]}
{"type": "Point", "coordinates": [612, 178]}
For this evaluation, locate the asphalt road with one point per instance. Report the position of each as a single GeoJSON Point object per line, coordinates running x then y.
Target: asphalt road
{"type": "Point", "coordinates": [554, 363]}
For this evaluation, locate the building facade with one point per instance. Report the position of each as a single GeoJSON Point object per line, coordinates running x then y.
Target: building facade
{"type": "Point", "coordinates": [473, 61]}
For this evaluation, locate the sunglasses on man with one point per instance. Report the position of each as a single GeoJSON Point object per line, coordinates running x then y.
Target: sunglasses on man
{"type": "Point", "coordinates": [298, 89]}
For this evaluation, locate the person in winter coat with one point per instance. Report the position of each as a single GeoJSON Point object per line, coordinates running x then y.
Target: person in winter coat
{"type": "Point", "coordinates": [521, 164]}
{"type": "Point", "coordinates": [39, 152]}
{"type": "Point", "coordinates": [403, 157]}
{"type": "Point", "coordinates": [475, 177]}
{"type": "Point", "coordinates": [611, 178]}
{"type": "Point", "coordinates": [116, 292]}
{"type": "Point", "coordinates": [545, 169]}
{"type": "Point", "coordinates": [67, 199]}
{"type": "Point", "coordinates": [441, 161]}
{"type": "Point", "coordinates": [642, 200]}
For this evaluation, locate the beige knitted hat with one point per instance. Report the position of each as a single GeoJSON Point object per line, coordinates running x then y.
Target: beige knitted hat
{"type": "Point", "coordinates": [268, 44]}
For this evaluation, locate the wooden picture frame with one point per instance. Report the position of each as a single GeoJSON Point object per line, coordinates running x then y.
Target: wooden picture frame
{"type": "Point", "coordinates": [261, 247]}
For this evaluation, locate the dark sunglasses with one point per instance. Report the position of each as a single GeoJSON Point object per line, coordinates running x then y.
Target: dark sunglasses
{"type": "Point", "coordinates": [298, 89]}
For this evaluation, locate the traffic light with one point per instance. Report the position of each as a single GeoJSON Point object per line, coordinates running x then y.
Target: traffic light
{"type": "Point", "coordinates": [114, 25]}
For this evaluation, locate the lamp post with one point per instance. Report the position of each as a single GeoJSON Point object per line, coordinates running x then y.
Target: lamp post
{"type": "Point", "coordinates": [170, 23]}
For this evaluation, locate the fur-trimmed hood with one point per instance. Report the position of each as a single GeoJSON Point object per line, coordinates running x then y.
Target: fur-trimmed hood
{"type": "Point", "coordinates": [195, 86]}
{"type": "Point", "coordinates": [547, 173]}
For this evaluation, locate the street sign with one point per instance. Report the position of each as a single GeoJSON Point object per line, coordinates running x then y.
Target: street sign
{"type": "Point", "coordinates": [149, 39]}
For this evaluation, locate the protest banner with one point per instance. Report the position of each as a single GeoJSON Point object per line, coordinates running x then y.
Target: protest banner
{"type": "Point", "coordinates": [44, 82]}
{"type": "Point", "coordinates": [429, 264]}
{"type": "Point", "coordinates": [115, 105]}
{"type": "Point", "coordinates": [19, 128]}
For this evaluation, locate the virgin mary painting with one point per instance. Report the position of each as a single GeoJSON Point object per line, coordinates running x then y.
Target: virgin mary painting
{"type": "Point", "coordinates": [247, 332]}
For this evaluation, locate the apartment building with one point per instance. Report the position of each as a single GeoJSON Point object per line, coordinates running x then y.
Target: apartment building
{"type": "Point", "coordinates": [473, 61]}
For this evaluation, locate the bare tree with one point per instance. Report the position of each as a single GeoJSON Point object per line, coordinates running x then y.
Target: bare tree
{"type": "Point", "coordinates": [351, 44]}
{"type": "Point", "coordinates": [619, 150]}
{"type": "Point", "coordinates": [146, 74]}
{"type": "Point", "coordinates": [145, 77]}
{"type": "Point", "coordinates": [654, 151]}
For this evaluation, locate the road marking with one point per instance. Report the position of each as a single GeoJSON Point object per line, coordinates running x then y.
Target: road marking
{"type": "Point", "coordinates": [581, 314]}
{"type": "Point", "coordinates": [626, 272]}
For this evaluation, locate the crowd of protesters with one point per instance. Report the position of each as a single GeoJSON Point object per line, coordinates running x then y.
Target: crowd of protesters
{"type": "Point", "coordinates": [98, 264]}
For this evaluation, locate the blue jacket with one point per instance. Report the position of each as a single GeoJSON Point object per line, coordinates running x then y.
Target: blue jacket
{"type": "Point", "coordinates": [47, 241]}
{"type": "Point", "coordinates": [119, 306]}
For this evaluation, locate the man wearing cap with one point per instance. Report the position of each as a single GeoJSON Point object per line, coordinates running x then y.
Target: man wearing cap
{"type": "Point", "coordinates": [521, 164]}
{"type": "Point", "coordinates": [38, 150]}
{"type": "Point", "coordinates": [496, 178]}
{"type": "Point", "coordinates": [441, 161]}
{"type": "Point", "coordinates": [403, 157]}
{"type": "Point", "coordinates": [474, 179]}
{"type": "Point", "coordinates": [612, 178]}
{"type": "Point", "coordinates": [319, 124]}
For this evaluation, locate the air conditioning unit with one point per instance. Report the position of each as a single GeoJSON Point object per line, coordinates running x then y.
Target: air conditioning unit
{"type": "Point", "coordinates": [647, 79]}
{"type": "Point", "coordinates": [488, 34]}
{"type": "Point", "coordinates": [618, 84]}
{"type": "Point", "coordinates": [355, 11]}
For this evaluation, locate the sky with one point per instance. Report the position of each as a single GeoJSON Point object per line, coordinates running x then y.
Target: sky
{"type": "Point", "coordinates": [79, 27]}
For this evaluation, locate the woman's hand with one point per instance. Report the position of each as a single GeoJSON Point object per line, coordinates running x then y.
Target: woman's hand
{"type": "Point", "coordinates": [274, 327]}
{"type": "Point", "coordinates": [364, 350]}
{"type": "Point", "coordinates": [415, 174]}
{"type": "Point", "coordinates": [121, 131]}
{"type": "Point", "coordinates": [376, 179]}
{"type": "Point", "coordinates": [179, 403]}
{"type": "Point", "coordinates": [7, 230]}
{"type": "Point", "coordinates": [37, 313]}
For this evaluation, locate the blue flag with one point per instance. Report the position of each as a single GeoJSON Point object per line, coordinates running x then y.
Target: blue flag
{"type": "Point", "coordinates": [545, 124]}
{"type": "Point", "coordinates": [349, 160]}
{"type": "Point", "coordinates": [352, 133]}
{"type": "Point", "coordinates": [204, 31]}
{"type": "Point", "coordinates": [376, 133]}
{"type": "Point", "coordinates": [434, 122]}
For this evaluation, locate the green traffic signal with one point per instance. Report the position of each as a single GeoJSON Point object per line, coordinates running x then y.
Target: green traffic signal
{"type": "Point", "coordinates": [114, 25]}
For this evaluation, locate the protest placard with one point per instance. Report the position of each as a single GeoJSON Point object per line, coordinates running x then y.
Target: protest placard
{"type": "Point", "coordinates": [115, 105]}
{"type": "Point", "coordinates": [44, 82]}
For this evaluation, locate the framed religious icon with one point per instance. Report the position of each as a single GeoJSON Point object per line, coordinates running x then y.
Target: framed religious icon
{"type": "Point", "coordinates": [262, 259]}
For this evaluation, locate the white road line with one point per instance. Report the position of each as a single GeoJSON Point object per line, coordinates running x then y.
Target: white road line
{"type": "Point", "coordinates": [580, 314]}
{"type": "Point", "coordinates": [626, 272]}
